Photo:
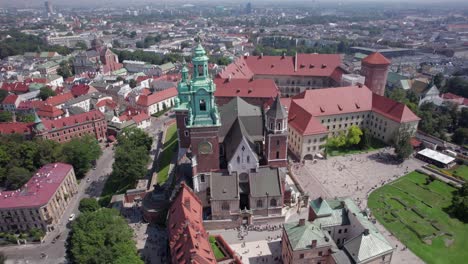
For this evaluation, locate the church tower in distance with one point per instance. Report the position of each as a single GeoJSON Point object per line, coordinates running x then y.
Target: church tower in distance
{"type": "Point", "coordinates": [276, 138]}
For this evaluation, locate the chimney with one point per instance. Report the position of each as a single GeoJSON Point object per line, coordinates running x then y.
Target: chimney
{"type": "Point", "coordinates": [314, 243]}
{"type": "Point", "coordinates": [284, 55]}
{"type": "Point", "coordinates": [261, 55]}
{"type": "Point", "coordinates": [295, 61]}
{"type": "Point", "coordinates": [13, 117]}
{"type": "Point", "coordinates": [301, 222]}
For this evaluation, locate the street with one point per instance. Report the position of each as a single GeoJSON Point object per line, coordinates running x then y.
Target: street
{"type": "Point", "coordinates": [55, 252]}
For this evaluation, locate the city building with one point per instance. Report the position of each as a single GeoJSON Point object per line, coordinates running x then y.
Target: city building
{"type": "Point", "coordinates": [156, 101]}
{"type": "Point", "coordinates": [238, 151]}
{"type": "Point", "coordinates": [375, 69]}
{"type": "Point", "coordinates": [65, 129]}
{"type": "Point", "coordinates": [292, 74]}
{"type": "Point", "coordinates": [314, 115]}
{"type": "Point", "coordinates": [188, 240]}
{"type": "Point", "coordinates": [41, 202]}
{"type": "Point", "coordinates": [98, 59]}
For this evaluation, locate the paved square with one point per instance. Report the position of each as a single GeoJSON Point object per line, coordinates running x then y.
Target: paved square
{"type": "Point", "coordinates": [259, 251]}
{"type": "Point", "coordinates": [356, 176]}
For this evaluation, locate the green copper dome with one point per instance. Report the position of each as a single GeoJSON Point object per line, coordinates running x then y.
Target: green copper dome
{"type": "Point", "coordinates": [199, 51]}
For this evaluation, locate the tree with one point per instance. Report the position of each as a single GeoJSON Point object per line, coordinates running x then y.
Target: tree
{"type": "Point", "coordinates": [17, 177]}
{"type": "Point", "coordinates": [102, 236]}
{"type": "Point", "coordinates": [463, 117]}
{"type": "Point", "coordinates": [354, 135]}
{"type": "Point", "coordinates": [403, 147]}
{"type": "Point", "coordinates": [81, 45]}
{"type": "Point", "coordinates": [136, 137]}
{"type": "Point", "coordinates": [81, 152]}
{"type": "Point", "coordinates": [6, 116]}
{"type": "Point", "coordinates": [27, 118]}
{"type": "Point", "coordinates": [460, 203]}
{"type": "Point", "coordinates": [46, 92]}
{"type": "Point", "coordinates": [88, 205]}
{"type": "Point", "coordinates": [337, 141]}
{"type": "Point", "coordinates": [461, 136]}
{"type": "Point", "coordinates": [366, 139]}
{"type": "Point", "coordinates": [438, 80]}
{"type": "Point", "coordinates": [3, 94]}
{"type": "Point", "coordinates": [132, 83]}
{"type": "Point", "coordinates": [65, 70]}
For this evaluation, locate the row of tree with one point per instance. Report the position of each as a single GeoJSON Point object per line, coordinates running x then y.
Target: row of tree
{"type": "Point", "coordinates": [20, 158]}
{"type": "Point", "coordinates": [149, 57]}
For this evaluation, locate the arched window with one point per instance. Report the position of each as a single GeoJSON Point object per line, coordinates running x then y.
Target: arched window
{"type": "Point", "coordinates": [248, 159]}
{"type": "Point", "coordinates": [200, 70]}
{"type": "Point", "coordinates": [273, 202]}
{"type": "Point", "coordinates": [202, 105]}
{"type": "Point", "coordinates": [225, 206]}
{"type": "Point", "coordinates": [272, 126]}
{"type": "Point", "coordinates": [259, 203]}
{"type": "Point", "coordinates": [238, 159]}
{"type": "Point", "coordinates": [278, 126]}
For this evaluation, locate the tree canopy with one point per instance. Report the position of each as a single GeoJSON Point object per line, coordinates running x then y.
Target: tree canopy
{"type": "Point", "coordinates": [19, 43]}
{"type": "Point", "coordinates": [81, 152]}
{"type": "Point", "coordinates": [102, 236]}
{"type": "Point", "coordinates": [402, 145]}
{"type": "Point", "coordinates": [88, 205]}
{"type": "Point", "coordinates": [46, 92]}
{"type": "Point", "coordinates": [460, 203]}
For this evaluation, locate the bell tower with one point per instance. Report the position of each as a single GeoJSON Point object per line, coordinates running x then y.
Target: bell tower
{"type": "Point", "coordinates": [276, 138]}
{"type": "Point", "coordinates": [198, 120]}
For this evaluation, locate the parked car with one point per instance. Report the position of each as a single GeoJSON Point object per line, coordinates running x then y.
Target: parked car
{"type": "Point", "coordinates": [71, 218]}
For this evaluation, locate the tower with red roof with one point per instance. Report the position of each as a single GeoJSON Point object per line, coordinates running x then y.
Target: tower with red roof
{"type": "Point", "coordinates": [375, 68]}
{"type": "Point", "coordinates": [276, 139]}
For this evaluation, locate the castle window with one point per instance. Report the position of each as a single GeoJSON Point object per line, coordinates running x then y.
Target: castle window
{"type": "Point", "coordinates": [225, 206]}
{"type": "Point", "coordinates": [202, 105]}
{"type": "Point", "coordinates": [278, 126]}
{"type": "Point", "coordinates": [200, 70]}
{"type": "Point", "coordinates": [248, 159]}
{"type": "Point", "coordinates": [259, 203]}
{"type": "Point", "coordinates": [238, 159]}
{"type": "Point", "coordinates": [277, 142]}
{"type": "Point", "coordinates": [277, 154]}
{"type": "Point", "coordinates": [186, 133]}
{"type": "Point", "coordinates": [202, 177]}
{"type": "Point", "coordinates": [271, 126]}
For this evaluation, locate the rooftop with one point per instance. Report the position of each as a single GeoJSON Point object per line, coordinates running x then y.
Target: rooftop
{"type": "Point", "coordinates": [38, 190]}
{"type": "Point", "coordinates": [300, 236]}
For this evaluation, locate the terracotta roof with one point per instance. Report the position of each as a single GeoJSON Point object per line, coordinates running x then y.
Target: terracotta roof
{"type": "Point", "coordinates": [18, 87]}
{"type": "Point", "coordinates": [108, 103]}
{"type": "Point", "coordinates": [188, 240]}
{"type": "Point", "coordinates": [140, 117]}
{"type": "Point", "coordinates": [39, 189]}
{"type": "Point", "coordinates": [245, 88]}
{"type": "Point", "coordinates": [73, 120]}
{"type": "Point", "coordinates": [147, 100]}
{"type": "Point", "coordinates": [11, 128]}
{"type": "Point", "coordinates": [307, 65]}
{"type": "Point", "coordinates": [333, 101]}
{"type": "Point", "coordinates": [376, 58]}
{"type": "Point", "coordinates": [49, 111]}
{"type": "Point", "coordinates": [81, 89]}
{"type": "Point", "coordinates": [10, 99]}
{"type": "Point", "coordinates": [59, 99]}
{"type": "Point", "coordinates": [455, 98]}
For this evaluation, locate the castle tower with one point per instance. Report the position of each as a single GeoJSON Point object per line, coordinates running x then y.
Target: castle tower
{"type": "Point", "coordinates": [276, 138]}
{"type": "Point", "coordinates": [197, 114]}
{"type": "Point", "coordinates": [375, 68]}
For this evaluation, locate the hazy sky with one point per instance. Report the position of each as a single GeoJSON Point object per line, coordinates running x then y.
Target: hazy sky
{"type": "Point", "coordinates": [36, 3]}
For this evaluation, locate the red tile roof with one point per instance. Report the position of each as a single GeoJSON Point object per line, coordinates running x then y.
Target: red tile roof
{"type": "Point", "coordinates": [73, 120]}
{"type": "Point", "coordinates": [342, 100]}
{"type": "Point", "coordinates": [376, 58]}
{"type": "Point", "coordinates": [108, 103]}
{"type": "Point", "coordinates": [455, 98]}
{"type": "Point", "coordinates": [36, 80]}
{"type": "Point", "coordinates": [19, 128]}
{"type": "Point", "coordinates": [49, 111]}
{"type": "Point", "coordinates": [307, 65]}
{"type": "Point", "coordinates": [81, 89]}
{"type": "Point", "coordinates": [147, 100]}
{"type": "Point", "coordinates": [245, 88]}
{"type": "Point", "coordinates": [10, 99]}
{"type": "Point", "coordinates": [188, 240]}
{"type": "Point", "coordinates": [59, 99]}
{"type": "Point", "coordinates": [140, 117]}
{"type": "Point", "coordinates": [38, 190]}
{"type": "Point", "coordinates": [17, 87]}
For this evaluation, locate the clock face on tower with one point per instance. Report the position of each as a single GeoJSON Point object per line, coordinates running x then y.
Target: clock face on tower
{"type": "Point", "coordinates": [205, 148]}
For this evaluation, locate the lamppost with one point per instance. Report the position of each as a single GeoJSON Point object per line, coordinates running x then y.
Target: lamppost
{"type": "Point", "coordinates": [267, 202]}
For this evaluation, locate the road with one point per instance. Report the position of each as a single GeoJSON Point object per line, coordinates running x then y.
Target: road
{"type": "Point", "coordinates": [56, 251]}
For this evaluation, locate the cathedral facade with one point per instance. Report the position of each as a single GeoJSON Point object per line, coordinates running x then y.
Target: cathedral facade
{"type": "Point", "coordinates": [238, 151]}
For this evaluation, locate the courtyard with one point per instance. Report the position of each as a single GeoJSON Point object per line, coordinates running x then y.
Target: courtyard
{"type": "Point", "coordinates": [356, 176]}
{"type": "Point", "coordinates": [413, 208]}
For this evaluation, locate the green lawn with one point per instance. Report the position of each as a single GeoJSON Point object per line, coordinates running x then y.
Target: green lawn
{"type": "Point", "coordinates": [461, 170]}
{"type": "Point", "coordinates": [414, 212]}
{"type": "Point", "coordinates": [217, 252]}
{"type": "Point", "coordinates": [169, 148]}
{"type": "Point", "coordinates": [375, 144]}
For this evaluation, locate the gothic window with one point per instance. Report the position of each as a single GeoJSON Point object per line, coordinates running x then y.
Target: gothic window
{"type": "Point", "coordinates": [277, 154]}
{"type": "Point", "coordinates": [225, 206]}
{"type": "Point", "coordinates": [271, 126]}
{"type": "Point", "coordinates": [186, 133]}
{"type": "Point", "coordinates": [248, 159]}
{"type": "Point", "coordinates": [273, 202]}
{"type": "Point", "coordinates": [238, 159]}
{"type": "Point", "coordinates": [278, 126]}
{"type": "Point", "coordinates": [200, 70]}
{"type": "Point", "coordinates": [259, 203]}
{"type": "Point", "coordinates": [202, 105]}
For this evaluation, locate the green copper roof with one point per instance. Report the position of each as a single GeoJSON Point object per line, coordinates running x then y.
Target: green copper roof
{"type": "Point", "coordinates": [300, 236]}
{"type": "Point", "coordinates": [200, 51]}
{"type": "Point", "coordinates": [320, 207]}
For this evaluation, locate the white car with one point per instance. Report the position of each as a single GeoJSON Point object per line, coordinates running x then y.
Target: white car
{"type": "Point", "coordinates": [71, 218]}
